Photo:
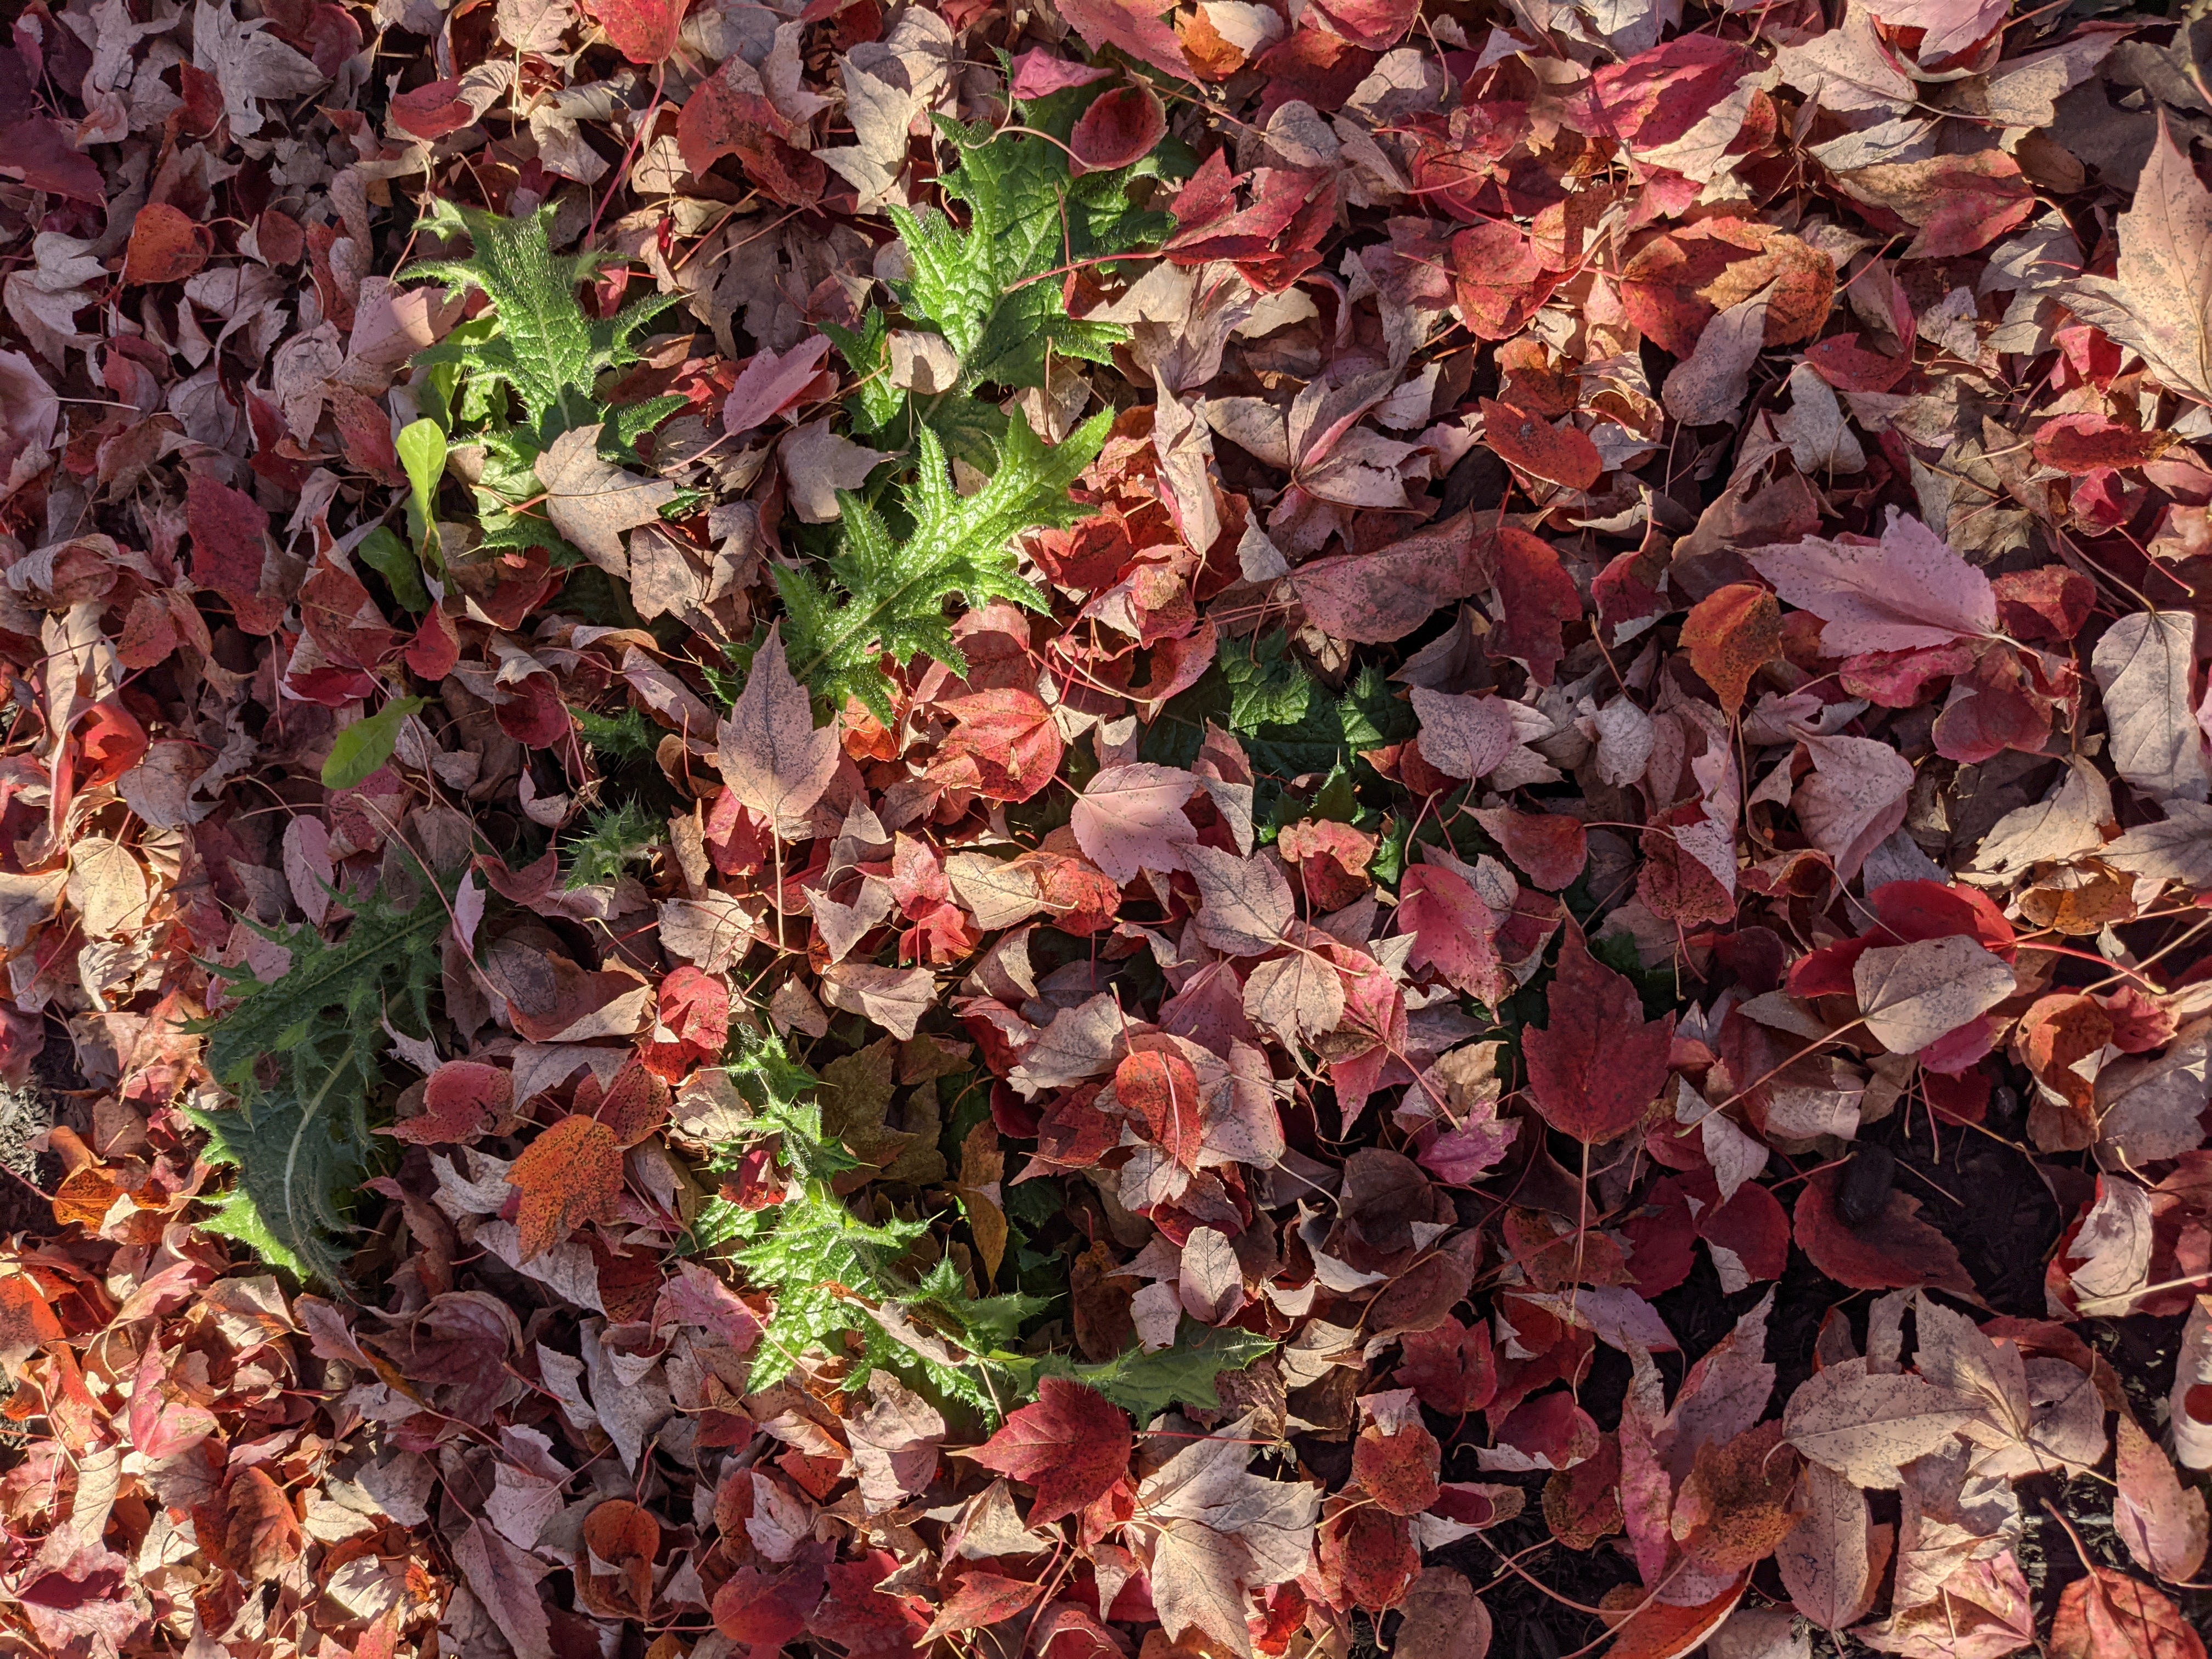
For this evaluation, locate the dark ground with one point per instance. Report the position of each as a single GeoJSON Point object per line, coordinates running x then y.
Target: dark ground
{"type": "Point", "coordinates": [28, 1176]}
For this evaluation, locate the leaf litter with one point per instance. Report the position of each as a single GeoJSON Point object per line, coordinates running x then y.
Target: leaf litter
{"type": "Point", "coordinates": [1105, 831]}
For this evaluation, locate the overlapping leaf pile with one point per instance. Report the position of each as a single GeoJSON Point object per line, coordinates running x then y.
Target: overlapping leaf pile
{"type": "Point", "coordinates": [1106, 832]}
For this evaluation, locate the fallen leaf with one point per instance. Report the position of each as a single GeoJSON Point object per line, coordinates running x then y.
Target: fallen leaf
{"type": "Point", "coordinates": [1731, 635]}
{"type": "Point", "coordinates": [771, 382]}
{"type": "Point", "coordinates": [774, 757]}
{"type": "Point", "coordinates": [1824, 1561]}
{"type": "Point", "coordinates": [1710, 385]}
{"type": "Point", "coordinates": [2157, 301]}
{"type": "Point", "coordinates": [1862, 1425]}
{"type": "Point", "coordinates": [1853, 800]}
{"type": "Point", "coordinates": [1463, 737]}
{"type": "Point", "coordinates": [1596, 1065]}
{"type": "Point", "coordinates": [1911, 995]}
{"type": "Point", "coordinates": [1130, 818]}
{"type": "Point", "coordinates": [571, 1174]}
{"type": "Point", "coordinates": [1133, 27]}
{"type": "Point", "coordinates": [2109, 1615]}
{"type": "Point", "coordinates": [895, 998]}
{"type": "Point", "coordinates": [1528, 443]}
{"type": "Point", "coordinates": [2143, 665]}
{"type": "Point", "coordinates": [1443, 1618]}
{"type": "Point", "coordinates": [1906, 591]}
{"type": "Point", "coordinates": [592, 501]}
{"type": "Point", "coordinates": [1245, 903]}
{"type": "Point", "coordinates": [1071, 1445]}
{"type": "Point", "coordinates": [1372, 599]}
{"type": "Point", "coordinates": [2160, 1521]}
{"type": "Point", "coordinates": [1006, 739]}
{"type": "Point", "coordinates": [818, 463]}
{"type": "Point", "coordinates": [1119, 129]}
{"type": "Point", "coordinates": [643, 31]}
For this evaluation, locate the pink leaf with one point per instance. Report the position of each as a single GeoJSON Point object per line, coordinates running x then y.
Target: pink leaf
{"type": "Point", "coordinates": [1131, 818]}
{"type": "Point", "coordinates": [1134, 27]}
{"type": "Point", "coordinates": [1906, 591]}
{"type": "Point", "coordinates": [770, 384]}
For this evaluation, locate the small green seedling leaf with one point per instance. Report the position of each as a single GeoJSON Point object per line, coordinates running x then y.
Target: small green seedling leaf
{"type": "Point", "coordinates": [393, 560]}
{"type": "Point", "coordinates": [366, 744]}
{"type": "Point", "coordinates": [421, 448]}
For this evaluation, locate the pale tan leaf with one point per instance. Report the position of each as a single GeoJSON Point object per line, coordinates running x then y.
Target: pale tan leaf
{"type": "Point", "coordinates": [1853, 798]}
{"type": "Point", "coordinates": [2160, 300]}
{"type": "Point", "coordinates": [1210, 1281]}
{"type": "Point", "coordinates": [2067, 823]}
{"type": "Point", "coordinates": [108, 887]}
{"type": "Point", "coordinates": [2142, 663]}
{"type": "Point", "coordinates": [1911, 995]}
{"type": "Point", "coordinates": [1198, 1582]}
{"type": "Point", "coordinates": [1130, 818]}
{"type": "Point", "coordinates": [774, 757]}
{"type": "Point", "coordinates": [2178, 849]}
{"type": "Point", "coordinates": [1709, 386]}
{"type": "Point", "coordinates": [792, 1008]}
{"type": "Point", "coordinates": [1824, 1561]}
{"type": "Point", "coordinates": [895, 998]}
{"type": "Point", "coordinates": [1083, 1042]}
{"type": "Point", "coordinates": [2113, 1245]}
{"type": "Point", "coordinates": [1298, 997]}
{"type": "Point", "coordinates": [710, 930]}
{"type": "Point", "coordinates": [1863, 1426]}
{"type": "Point", "coordinates": [592, 501]}
{"type": "Point", "coordinates": [1760, 1633]}
{"type": "Point", "coordinates": [818, 463]}
{"type": "Point", "coordinates": [2147, 1104]}
{"type": "Point", "coordinates": [1244, 902]}
{"type": "Point", "coordinates": [997, 893]}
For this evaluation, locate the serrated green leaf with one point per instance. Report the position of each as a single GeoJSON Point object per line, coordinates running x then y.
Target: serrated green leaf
{"type": "Point", "coordinates": [366, 744]}
{"type": "Point", "coordinates": [1332, 729]}
{"type": "Point", "coordinates": [1145, 1384]}
{"type": "Point", "coordinates": [989, 286]}
{"type": "Point", "coordinates": [300, 1057]}
{"type": "Point", "coordinates": [539, 344]}
{"type": "Point", "coordinates": [614, 838]}
{"type": "Point", "coordinates": [1266, 685]}
{"type": "Point", "coordinates": [888, 597]}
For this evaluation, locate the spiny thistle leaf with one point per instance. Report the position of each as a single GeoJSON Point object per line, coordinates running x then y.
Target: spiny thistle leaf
{"type": "Point", "coordinates": [988, 288]}
{"type": "Point", "coordinates": [546, 348]}
{"type": "Point", "coordinates": [1145, 1384]}
{"type": "Point", "coordinates": [538, 344]}
{"type": "Point", "coordinates": [893, 593]}
{"type": "Point", "coordinates": [300, 1057]}
{"type": "Point", "coordinates": [613, 839]}
{"type": "Point", "coordinates": [825, 1268]}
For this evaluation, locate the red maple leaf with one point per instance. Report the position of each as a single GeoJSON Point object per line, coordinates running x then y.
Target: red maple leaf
{"type": "Point", "coordinates": [1597, 1063]}
{"type": "Point", "coordinates": [1071, 1445]}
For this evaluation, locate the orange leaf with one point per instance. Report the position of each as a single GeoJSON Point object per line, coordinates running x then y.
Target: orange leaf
{"type": "Point", "coordinates": [1732, 633]}
{"type": "Point", "coordinates": [167, 246]}
{"type": "Point", "coordinates": [27, 1322]}
{"type": "Point", "coordinates": [624, 1537]}
{"type": "Point", "coordinates": [1661, 1632]}
{"type": "Point", "coordinates": [568, 1176]}
{"type": "Point", "coordinates": [263, 1534]}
